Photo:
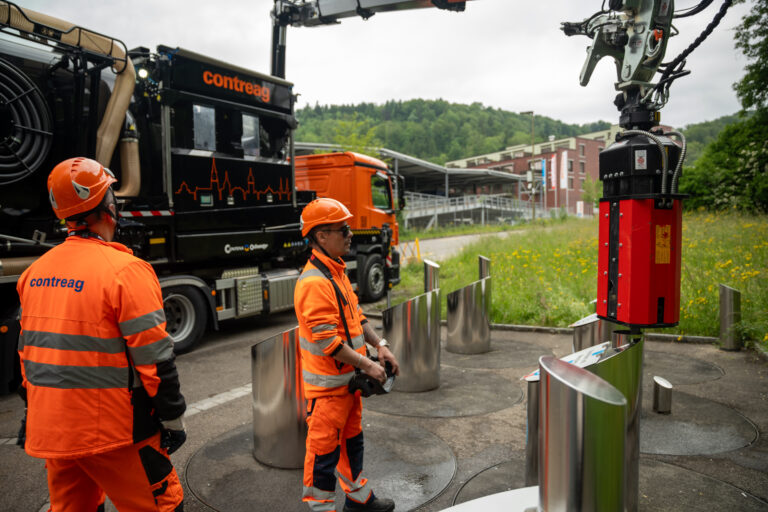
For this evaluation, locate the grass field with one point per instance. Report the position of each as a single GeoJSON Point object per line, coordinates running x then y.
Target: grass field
{"type": "Point", "coordinates": [445, 231]}
{"type": "Point", "coordinates": [547, 275]}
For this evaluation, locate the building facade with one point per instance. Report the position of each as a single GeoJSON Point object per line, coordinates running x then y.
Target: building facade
{"type": "Point", "coordinates": [562, 167]}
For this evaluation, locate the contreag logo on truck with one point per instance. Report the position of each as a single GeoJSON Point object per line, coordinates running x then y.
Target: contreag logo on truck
{"type": "Point", "coordinates": [228, 249]}
{"type": "Point", "coordinates": [233, 83]}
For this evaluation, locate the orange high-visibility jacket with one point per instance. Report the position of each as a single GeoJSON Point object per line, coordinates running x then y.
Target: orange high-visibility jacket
{"type": "Point", "coordinates": [321, 331]}
{"type": "Point", "coordinates": [96, 360]}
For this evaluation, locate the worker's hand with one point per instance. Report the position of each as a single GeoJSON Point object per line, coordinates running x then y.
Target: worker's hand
{"type": "Point", "coordinates": [386, 355]}
{"type": "Point", "coordinates": [173, 435]}
{"type": "Point", "coordinates": [375, 370]}
{"type": "Point", "coordinates": [21, 440]}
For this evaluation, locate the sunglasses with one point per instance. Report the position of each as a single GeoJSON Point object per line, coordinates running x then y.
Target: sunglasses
{"type": "Point", "coordinates": [344, 230]}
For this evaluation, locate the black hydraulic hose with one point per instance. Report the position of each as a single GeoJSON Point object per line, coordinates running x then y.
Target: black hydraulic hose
{"type": "Point", "coordinates": [695, 10]}
{"type": "Point", "coordinates": [660, 144]}
{"type": "Point", "coordinates": [670, 67]}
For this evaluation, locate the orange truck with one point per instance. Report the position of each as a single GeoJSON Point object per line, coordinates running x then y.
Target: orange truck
{"type": "Point", "coordinates": [370, 191]}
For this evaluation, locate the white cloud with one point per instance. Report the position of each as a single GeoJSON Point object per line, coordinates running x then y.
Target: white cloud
{"type": "Point", "coordinates": [502, 53]}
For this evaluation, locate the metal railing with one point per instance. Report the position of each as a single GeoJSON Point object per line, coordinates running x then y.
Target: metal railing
{"type": "Point", "coordinates": [474, 209]}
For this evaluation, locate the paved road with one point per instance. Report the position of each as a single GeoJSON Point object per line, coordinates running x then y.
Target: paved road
{"type": "Point", "coordinates": [216, 380]}
{"type": "Point", "coordinates": [438, 249]}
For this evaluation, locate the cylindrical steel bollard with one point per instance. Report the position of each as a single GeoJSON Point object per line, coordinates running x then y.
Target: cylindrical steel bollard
{"type": "Point", "coordinates": [469, 325]}
{"type": "Point", "coordinates": [591, 330]}
{"type": "Point", "coordinates": [413, 331]}
{"type": "Point", "coordinates": [484, 267]}
{"type": "Point", "coordinates": [624, 337]}
{"type": "Point", "coordinates": [662, 395]}
{"type": "Point", "coordinates": [622, 367]}
{"type": "Point", "coordinates": [730, 318]}
{"type": "Point", "coordinates": [581, 440]}
{"type": "Point", "coordinates": [279, 407]}
{"type": "Point", "coordinates": [431, 276]}
{"type": "Point", "coordinates": [532, 432]}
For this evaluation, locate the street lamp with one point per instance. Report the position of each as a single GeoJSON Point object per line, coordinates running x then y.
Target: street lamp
{"type": "Point", "coordinates": [533, 167]}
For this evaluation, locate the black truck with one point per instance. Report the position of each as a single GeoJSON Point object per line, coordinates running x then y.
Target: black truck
{"type": "Point", "coordinates": [202, 150]}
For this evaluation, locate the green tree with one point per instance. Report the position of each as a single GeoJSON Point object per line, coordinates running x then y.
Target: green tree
{"type": "Point", "coordinates": [434, 130]}
{"type": "Point", "coordinates": [733, 170]}
{"type": "Point", "coordinates": [593, 191]}
{"type": "Point", "coordinates": [751, 40]}
{"type": "Point", "coordinates": [356, 135]}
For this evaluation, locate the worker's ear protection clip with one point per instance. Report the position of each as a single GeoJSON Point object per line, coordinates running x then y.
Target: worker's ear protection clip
{"type": "Point", "coordinates": [369, 386]}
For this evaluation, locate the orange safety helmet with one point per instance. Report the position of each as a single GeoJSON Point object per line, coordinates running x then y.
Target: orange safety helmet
{"type": "Point", "coordinates": [323, 210]}
{"type": "Point", "coordinates": [77, 186]}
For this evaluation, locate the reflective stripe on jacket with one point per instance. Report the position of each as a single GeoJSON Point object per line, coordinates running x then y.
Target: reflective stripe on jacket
{"type": "Point", "coordinates": [321, 331]}
{"type": "Point", "coordinates": [88, 309]}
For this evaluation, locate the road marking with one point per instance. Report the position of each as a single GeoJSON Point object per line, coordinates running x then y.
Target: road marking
{"type": "Point", "coordinates": [215, 400]}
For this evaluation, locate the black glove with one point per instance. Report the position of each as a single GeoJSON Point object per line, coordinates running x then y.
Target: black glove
{"type": "Point", "coordinates": [173, 435]}
{"type": "Point", "coordinates": [21, 440]}
{"type": "Point", "coordinates": [172, 440]}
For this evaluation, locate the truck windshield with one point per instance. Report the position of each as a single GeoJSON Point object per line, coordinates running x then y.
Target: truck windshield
{"type": "Point", "coordinates": [380, 192]}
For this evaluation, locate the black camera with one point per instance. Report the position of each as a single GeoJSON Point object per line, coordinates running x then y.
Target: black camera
{"type": "Point", "coordinates": [368, 385]}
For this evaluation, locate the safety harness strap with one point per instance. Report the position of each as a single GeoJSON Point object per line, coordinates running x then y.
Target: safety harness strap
{"type": "Point", "coordinates": [339, 298]}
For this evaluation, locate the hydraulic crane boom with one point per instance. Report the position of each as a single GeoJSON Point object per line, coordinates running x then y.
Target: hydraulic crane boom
{"type": "Point", "coordinates": [324, 12]}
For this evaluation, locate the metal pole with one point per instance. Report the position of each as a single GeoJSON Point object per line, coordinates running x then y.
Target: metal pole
{"type": "Point", "coordinates": [662, 395]}
{"type": "Point", "coordinates": [532, 433]}
{"type": "Point", "coordinates": [730, 318]}
{"type": "Point", "coordinates": [484, 265]}
{"type": "Point", "coordinates": [431, 276]}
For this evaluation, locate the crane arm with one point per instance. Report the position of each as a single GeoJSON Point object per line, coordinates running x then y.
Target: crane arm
{"type": "Point", "coordinates": [312, 13]}
{"type": "Point", "coordinates": [323, 12]}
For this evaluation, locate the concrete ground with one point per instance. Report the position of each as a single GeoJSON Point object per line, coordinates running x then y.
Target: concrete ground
{"type": "Point", "coordinates": [429, 451]}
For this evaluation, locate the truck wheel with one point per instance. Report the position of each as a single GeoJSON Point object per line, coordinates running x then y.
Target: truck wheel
{"type": "Point", "coordinates": [10, 369]}
{"type": "Point", "coordinates": [372, 283]}
{"type": "Point", "coordinates": [186, 316]}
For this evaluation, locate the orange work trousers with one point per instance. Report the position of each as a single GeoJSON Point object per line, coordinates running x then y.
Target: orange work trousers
{"type": "Point", "coordinates": [137, 478]}
{"type": "Point", "coordinates": [334, 447]}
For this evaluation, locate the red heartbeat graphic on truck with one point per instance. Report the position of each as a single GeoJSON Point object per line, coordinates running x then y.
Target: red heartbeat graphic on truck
{"type": "Point", "coordinates": [283, 191]}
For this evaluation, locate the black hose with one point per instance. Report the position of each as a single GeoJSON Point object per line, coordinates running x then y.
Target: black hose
{"type": "Point", "coordinates": [670, 67]}
{"type": "Point", "coordinates": [684, 13]}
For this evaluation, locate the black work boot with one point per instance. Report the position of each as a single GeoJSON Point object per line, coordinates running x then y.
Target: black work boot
{"type": "Point", "coordinates": [373, 504]}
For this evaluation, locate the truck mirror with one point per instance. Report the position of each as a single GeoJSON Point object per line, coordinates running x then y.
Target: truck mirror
{"type": "Point", "coordinates": [400, 191]}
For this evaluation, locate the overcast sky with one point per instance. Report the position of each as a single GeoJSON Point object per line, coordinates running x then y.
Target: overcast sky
{"type": "Point", "coordinates": [508, 54]}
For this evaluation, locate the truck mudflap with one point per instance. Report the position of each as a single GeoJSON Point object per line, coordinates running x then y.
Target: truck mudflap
{"type": "Point", "coordinates": [393, 267]}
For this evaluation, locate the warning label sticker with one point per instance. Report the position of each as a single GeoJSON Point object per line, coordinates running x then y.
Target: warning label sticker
{"type": "Point", "coordinates": [641, 159]}
{"type": "Point", "coordinates": [663, 235]}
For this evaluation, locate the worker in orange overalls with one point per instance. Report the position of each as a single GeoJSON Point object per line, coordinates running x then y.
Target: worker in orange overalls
{"type": "Point", "coordinates": [332, 346]}
{"type": "Point", "coordinates": [99, 380]}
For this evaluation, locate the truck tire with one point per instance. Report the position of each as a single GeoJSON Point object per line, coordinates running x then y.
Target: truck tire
{"type": "Point", "coordinates": [373, 284]}
{"type": "Point", "coordinates": [186, 316]}
{"type": "Point", "coordinates": [10, 369]}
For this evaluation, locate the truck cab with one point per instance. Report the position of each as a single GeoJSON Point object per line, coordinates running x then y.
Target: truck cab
{"type": "Point", "coordinates": [368, 189]}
